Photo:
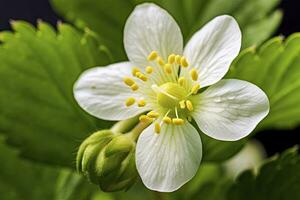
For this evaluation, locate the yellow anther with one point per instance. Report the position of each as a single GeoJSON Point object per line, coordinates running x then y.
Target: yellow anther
{"type": "Point", "coordinates": [168, 68]}
{"type": "Point", "coordinates": [138, 74]}
{"type": "Point", "coordinates": [171, 59]}
{"type": "Point", "coordinates": [177, 121]}
{"type": "Point", "coordinates": [142, 77]}
{"type": "Point", "coordinates": [144, 118]}
{"type": "Point", "coordinates": [195, 88]}
{"type": "Point", "coordinates": [181, 81]}
{"type": "Point", "coordinates": [128, 81]}
{"type": "Point", "coordinates": [167, 120]}
{"type": "Point", "coordinates": [153, 114]}
{"type": "Point", "coordinates": [189, 105]}
{"type": "Point", "coordinates": [182, 104]}
{"type": "Point", "coordinates": [149, 69]}
{"type": "Point", "coordinates": [130, 101]}
{"type": "Point", "coordinates": [157, 128]}
{"type": "Point", "coordinates": [177, 59]}
{"type": "Point", "coordinates": [134, 87]}
{"type": "Point", "coordinates": [160, 61]}
{"type": "Point", "coordinates": [134, 71]}
{"type": "Point", "coordinates": [184, 62]}
{"type": "Point", "coordinates": [152, 56]}
{"type": "Point", "coordinates": [141, 103]}
{"type": "Point", "coordinates": [194, 74]}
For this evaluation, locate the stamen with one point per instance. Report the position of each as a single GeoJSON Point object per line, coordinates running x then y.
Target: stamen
{"type": "Point", "coordinates": [130, 101]}
{"type": "Point", "coordinates": [194, 74]}
{"type": "Point", "coordinates": [153, 114]}
{"type": "Point", "coordinates": [176, 112]}
{"type": "Point", "coordinates": [171, 59]}
{"type": "Point", "coordinates": [157, 127]}
{"type": "Point", "coordinates": [134, 71]}
{"type": "Point", "coordinates": [141, 103]}
{"type": "Point", "coordinates": [128, 81]}
{"type": "Point", "coordinates": [141, 76]}
{"type": "Point", "coordinates": [195, 89]}
{"type": "Point", "coordinates": [178, 121]}
{"type": "Point", "coordinates": [168, 68]}
{"type": "Point", "coordinates": [177, 59]}
{"type": "Point", "coordinates": [184, 62]}
{"type": "Point", "coordinates": [182, 104]}
{"type": "Point", "coordinates": [144, 118]}
{"type": "Point", "coordinates": [189, 105]}
{"type": "Point", "coordinates": [167, 120]}
{"type": "Point", "coordinates": [181, 81]}
{"type": "Point", "coordinates": [160, 61]}
{"type": "Point", "coordinates": [149, 69]}
{"type": "Point", "coordinates": [134, 87]}
{"type": "Point", "coordinates": [152, 56]}
{"type": "Point", "coordinates": [189, 118]}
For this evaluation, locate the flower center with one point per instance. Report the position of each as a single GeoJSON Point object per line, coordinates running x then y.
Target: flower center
{"type": "Point", "coordinates": [170, 94]}
{"type": "Point", "coordinates": [172, 105]}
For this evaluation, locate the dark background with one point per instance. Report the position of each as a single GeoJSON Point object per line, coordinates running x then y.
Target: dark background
{"type": "Point", "coordinates": [31, 10]}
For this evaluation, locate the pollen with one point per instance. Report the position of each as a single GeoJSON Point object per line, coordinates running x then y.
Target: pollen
{"type": "Point", "coordinates": [189, 105]}
{"type": "Point", "coordinates": [149, 70]}
{"type": "Point", "coordinates": [144, 118]}
{"type": "Point", "coordinates": [152, 56]}
{"type": "Point", "coordinates": [168, 68]}
{"type": "Point", "coordinates": [194, 74]}
{"type": "Point", "coordinates": [153, 114]}
{"type": "Point", "coordinates": [178, 59]}
{"type": "Point", "coordinates": [195, 89]}
{"type": "Point", "coordinates": [134, 71]}
{"type": "Point", "coordinates": [182, 104]}
{"type": "Point", "coordinates": [142, 76]}
{"type": "Point", "coordinates": [130, 101]}
{"type": "Point", "coordinates": [134, 87]}
{"type": "Point", "coordinates": [157, 128]}
{"type": "Point", "coordinates": [128, 81]}
{"type": "Point", "coordinates": [184, 62]}
{"type": "Point", "coordinates": [171, 59]}
{"type": "Point", "coordinates": [141, 103]}
{"type": "Point", "coordinates": [181, 81]}
{"type": "Point", "coordinates": [167, 120]}
{"type": "Point", "coordinates": [160, 61]}
{"type": "Point", "coordinates": [178, 121]}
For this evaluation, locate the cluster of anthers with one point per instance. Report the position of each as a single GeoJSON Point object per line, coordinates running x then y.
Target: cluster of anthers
{"type": "Point", "coordinates": [173, 99]}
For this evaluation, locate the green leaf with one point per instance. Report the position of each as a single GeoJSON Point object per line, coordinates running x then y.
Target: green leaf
{"type": "Point", "coordinates": [37, 71]}
{"type": "Point", "coordinates": [277, 179]}
{"type": "Point", "coordinates": [23, 180]}
{"type": "Point", "coordinates": [258, 19]}
{"type": "Point", "coordinates": [274, 67]}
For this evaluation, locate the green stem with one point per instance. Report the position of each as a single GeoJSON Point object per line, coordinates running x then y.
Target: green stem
{"type": "Point", "coordinates": [123, 126]}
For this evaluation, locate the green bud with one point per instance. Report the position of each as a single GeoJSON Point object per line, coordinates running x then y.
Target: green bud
{"type": "Point", "coordinates": [108, 160]}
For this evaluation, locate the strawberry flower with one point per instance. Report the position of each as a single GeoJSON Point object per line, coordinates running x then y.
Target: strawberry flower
{"type": "Point", "coordinates": [170, 86]}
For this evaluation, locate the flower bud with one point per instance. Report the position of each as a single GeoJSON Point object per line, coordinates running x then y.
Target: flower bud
{"type": "Point", "coordinates": [108, 160]}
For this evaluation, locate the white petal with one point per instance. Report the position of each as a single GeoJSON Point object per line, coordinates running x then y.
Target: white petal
{"type": "Point", "coordinates": [151, 28]}
{"type": "Point", "coordinates": [230, 109]}
{"type": "Point", "coordinates": [212, 49]}
{"type": "Point", "coordinates": [168, 160]}
{"type": "Point", "coordinates": [101, 92]}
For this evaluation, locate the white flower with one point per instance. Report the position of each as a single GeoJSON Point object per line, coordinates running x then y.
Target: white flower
{"type": "Point", "coordinates": [165, 82]}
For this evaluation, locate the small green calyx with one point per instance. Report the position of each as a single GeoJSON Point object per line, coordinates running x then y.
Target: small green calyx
{"type": "Point", "coordinates": [108, 160]}
{"type": "Point", "coordinates": [170, 94]}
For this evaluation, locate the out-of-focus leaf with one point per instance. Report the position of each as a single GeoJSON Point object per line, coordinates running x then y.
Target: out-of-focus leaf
{"type": "Point", "coordinates": [258, 18]}
{"type": "Point", "coordinates": [277, 179]}
{"type": "Point", "coordinates": [37, 71]}
{"type": "Point", "coordinates": [23, 180]}
{"type": "Point", "coordinates": [274, 67]}
{"type": "Point", "coordinates": [71, 185]}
